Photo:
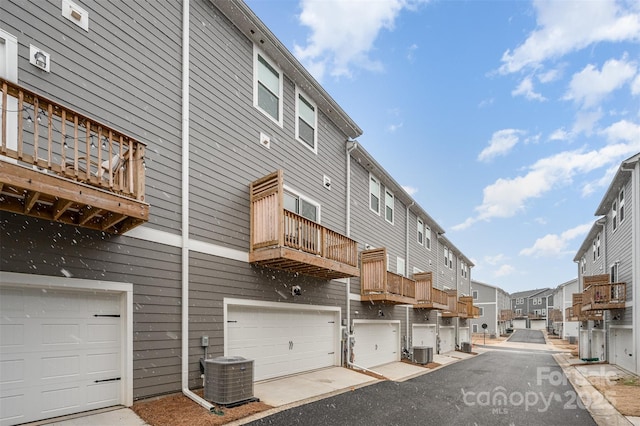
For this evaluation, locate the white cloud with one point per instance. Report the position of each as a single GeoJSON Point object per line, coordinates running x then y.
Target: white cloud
{"type": "Point", "coordinates": [504, 270]}
{"type": "Point", "coordinates": [560, 135]}
{"type": "Point", "coordinates": [494, 260]}
{"type": "Point", "coordinates": [554, 244]}
{"type": "Point", "coordinates": [508, 196]}
{"type": "Point", "coordinates": [525, 88]}
{"type": "Point", "coordinates": [343, 33]}
{"type": "Point", "coordinates": [590, 187]}
{"type": "Point", "coordinates": [585, 122]}
{"type": "Point", "coordinates": [410, 190]}
{"type": "Point", "coordinates": [568, 26]}
{"type": "Point", "coordinates": [501, 143]}
{"type": "Point", "coordinates": [411, 51]}
{"type": "Point", "coordinates": [393, 127]}
{"type": "Point", "coordinates": [590, 86]}
{"type": "Point", "coordinates": [549, 76]}
{"type": "Point", "coordinates": [635, 86]}
{"type": "Point", "coordinates": [540, 220]}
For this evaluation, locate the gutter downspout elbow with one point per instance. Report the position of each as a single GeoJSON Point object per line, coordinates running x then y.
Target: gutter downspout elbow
{"type": "Point", "coordinates": [349, 147]}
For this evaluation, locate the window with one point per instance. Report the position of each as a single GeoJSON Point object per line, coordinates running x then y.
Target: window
{"type": "Point", "coordinates": [481, 311]}
{"type": "Point", "coordinates": [474, 294]}
{"type": "Point", "coordinates": [534, 301]}
{"type": "Point", "coordinates": [388, 206]}
{"type": "Point", "coordinates": [583, 265]}
{"type": "Point", "coordinates": [420, 232]}
{"type": "Point", "coordinates": [400, 266]}
{"type": "Point", "coordinates": [427, 234]}
{"type": "Point", "coordinates": [614, 273]}
{"type": "Point", "coordinates": [417, 270]}
{"type": "Point", "coordinates": [302, 206]}
{"type": "Point", "coordinates": [614, 214]}
{"type": "Point", "coordinates": [621, 205]}
{"type": "Point", "coordinates": [374, 192]}
{"type": "Point", "coordinates": [474, 328]}
{"type": "Point", "coordinates": [520, 301]}
{"type": "Point", "coordinates": [267, 87]}
{"type": "Point", "coordinates": [596, 248]}
{"type": "Point", "coordinates": [518, 311]}
{"type": "Point", "coordinates": [307, 121]}
{"type": "Point", "coordinates": [446, 256]}
{"type": "Point", "coordinates": [450, 259]}
{"type": "Point", "coordinates": [9, 71]}
{"type": "Point", "coordinates": [544, 312]}
{"type": "Point", "coordinates": [464, 269]}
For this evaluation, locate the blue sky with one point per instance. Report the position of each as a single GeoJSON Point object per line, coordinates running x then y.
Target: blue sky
{"type": "Point", "coordinates": [505, 120]}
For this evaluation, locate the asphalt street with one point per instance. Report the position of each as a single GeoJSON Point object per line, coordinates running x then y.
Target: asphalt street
{"type": "Point", "coordinates": [527, 336]}
{"type": "Point", "coordinates": [494, 388]}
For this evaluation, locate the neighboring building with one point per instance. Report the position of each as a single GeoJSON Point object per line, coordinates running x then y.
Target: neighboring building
{"type": "Point", "coordinates": [560, 323]}
{"type": "Point", "coordinates": [165, 201]}
{"type": "Point", "coordinates": [606, 303]}
{"type": "Point", "coordinates": [495, 309]}
{"type": "Point", "coordinates": [528, 306]}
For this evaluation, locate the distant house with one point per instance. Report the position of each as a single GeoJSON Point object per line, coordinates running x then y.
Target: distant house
{"type": "Point", "coordinates": [606, 304]}
{"type": "Point", "coordinates": [561, 324]}
{"type": "Point", "coordinates": [530, 308]}
{"type": "Point", "coordinates": [495, 308]}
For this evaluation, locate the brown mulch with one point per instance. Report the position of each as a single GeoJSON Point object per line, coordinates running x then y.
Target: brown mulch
{"type": "Point", "coordinates": [430, 365]}
{"type": "Point", "coordinates": [178, 410]}
{"type": "Point", "coordinates": [623, 394]}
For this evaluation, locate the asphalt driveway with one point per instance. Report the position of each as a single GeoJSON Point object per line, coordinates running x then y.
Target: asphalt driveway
{"type": "Point", "coordinates": [527, 336]}
{"type": "Point", "coordinates": [494, 388]}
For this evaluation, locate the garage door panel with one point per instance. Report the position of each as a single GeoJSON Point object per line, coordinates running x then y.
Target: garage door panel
{"type": "Point", "coordinates": [282, 341]}
{"type": "Point", "coordinates": [447, 339]}
{"type": "Point", "coordinates": [376, 343]}
{"type": "Point", "coordinates": [53, 349]}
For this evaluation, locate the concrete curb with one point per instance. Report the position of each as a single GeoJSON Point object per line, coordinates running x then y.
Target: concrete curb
{"type": "Point", "coordinates": [603, 413]}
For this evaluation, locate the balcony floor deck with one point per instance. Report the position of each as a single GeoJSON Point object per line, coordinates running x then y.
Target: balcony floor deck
{"type": "Point", "coordinates": [292, 260]}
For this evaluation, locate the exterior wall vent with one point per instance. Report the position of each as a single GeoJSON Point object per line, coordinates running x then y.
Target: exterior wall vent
{"type": "Point", "coordinates": [228, 380]}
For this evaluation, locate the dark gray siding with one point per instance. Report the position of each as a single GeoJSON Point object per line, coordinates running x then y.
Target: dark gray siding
{"type": "Point", "coordinates": [420, 256]}
{"type": "Point", "coordinates": [125, 72]}
{"type": "Point", "coordinates": [225, 127]}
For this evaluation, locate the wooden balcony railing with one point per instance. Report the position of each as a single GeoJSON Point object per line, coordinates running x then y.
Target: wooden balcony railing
{"type": "Point", "coordinates": [570, 315]}
{"type": "Point", "coordinates": [555, 315]}
{"type": "Point", "coordinates": [471, 311]}
{"type": "Point", "coordinates": [452, 305]}
{"type": "Point", "coordinates": [379, 285]}
{"type": "Point", "coordinates": [600, 294]}
{"type": "Point", "coordinates": [284, 240]}
{"type": "Point", "coordinates": [60, 165]}
{"type": "Point", "coordinates": [428, 297]}
{"type": "Point", "coordinates": [506, 315]}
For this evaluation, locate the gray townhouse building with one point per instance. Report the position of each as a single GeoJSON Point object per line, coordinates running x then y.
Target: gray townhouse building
{"type": "Point", "coordinates": [606, 305]}
{"type": "Point", "coordinates": [175, 186]}
{"type": "Point", "coordinates": [494, 309]}
{"type": "Point", "coordinates": [530, 308]}
{"type": "Point", "coordinates": [561, 324]}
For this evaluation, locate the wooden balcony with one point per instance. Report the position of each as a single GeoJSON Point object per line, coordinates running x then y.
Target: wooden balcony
{"type": "Point", "coordinates": [428, 297]}
{"type": "Point", "coordinates": [454, 306]}
{"type": "Point", "coordinates": [471, 311]}
{"type": "Point", "coordinates": [577, 314]}
{"type": "Point", "coordinates": [379, 285]}
{"type": "Point", "coordinates": [555, 315]}
{"type": "Point", "coordinates": [506, 315]}
{"type": "Point", "coordinates": [570, 315]}
{"type": "Point", "coordinates": [283, 240]}
{"type": "Point", "coordinates": [600, 294]}
{"type": "Point", "coordinates": [59, 165]}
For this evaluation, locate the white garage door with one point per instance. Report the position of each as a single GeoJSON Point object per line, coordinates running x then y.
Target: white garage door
{"type": "Point", "coordinates": [623, 353]}
{"type": "Point", "coordinates": [538, 324]}
{"type": "Point", "coordinates": [447, 339]}
{"type": "Point", "coordinates": [283, 340]}
{"type": "Point", "coordinates": [583, 347]}
{"type": "Point", "coordinates": [463, 335]}
{"type": "Point", "coordinates": [60, 353]}
{"type": "Point", "coordinates": [520, 323]}
{"type": "Point", "coordinates": [423, 335]}
{"type": "Point", "coordinates": [597, 345]}
{"type": "Point", "coordinates": [376, 343]}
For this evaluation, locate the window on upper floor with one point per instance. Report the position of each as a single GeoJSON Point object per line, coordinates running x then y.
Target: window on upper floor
{"type": "Point", "coordinates": [544, 312]}
{"type": "Point", "coordinates": [474, 294]}
{"type": "Point", "coordinates": [427, 237]}
{"type": "Point", "coordinates": [474, 328]}
{"type": "Point", "coordinates": [389, 204]}
{"type": "Point", "coordinates": [446, 256]}
{"type": "Point", "coordinates": [481, 309]}
{"type": "Point", "coordinates": [596, 248]}
{"type": "Point", "coordinates": [583, 265]}
{"type": "Point", "coordinates": [450, 259]}
{"type": "Point", "coordinates": [400, 266]}
{"type": "Point", "coordinates": [267, 87]}
{"type": "Point", "coordinates": [464, 270]}
{"type": "Point", "coordinates": [307, 121]}
{"type": "Point", "coordinates": [420, 226]}
{"type": "Point", "coordinates": [374, 194]}
{"type": "Point", "coordinates": [614, 214]}
{"type": "Point", "coordinates": [534, 301]}
{"type": "Point", "coordinates": [301, 205]}
{"type": "Point", "coordinates": [613, 273]}
{"type": "Point", "coordinates": [621, 205]}
{"type": "Point", "coordinates": [518, 311]}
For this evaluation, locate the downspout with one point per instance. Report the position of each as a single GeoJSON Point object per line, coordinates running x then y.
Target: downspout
{"type": "Point", "coordinates": [406, 273]}
{"type": "Point", "coordinates": [350, 146]}
{"type": "Point", "coordinates": [185, 212]}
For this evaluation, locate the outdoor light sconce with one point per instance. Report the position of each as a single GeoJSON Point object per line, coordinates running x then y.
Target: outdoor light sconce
{"type": "Point", "coordinates": [39, 58]}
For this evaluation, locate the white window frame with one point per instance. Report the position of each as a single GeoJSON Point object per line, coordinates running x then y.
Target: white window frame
{"type": "Point", "coordinates": [375, 180]}
{"type": "Point", "coordinates": [613, 272]}
{"type": "Point", "coordinates": [427, 237]}
{"type": "Point", "coordinates": [518, 311]}
{"type": "Point", "coordinates": [10, 73]}
{"type": "Point", "coordinates": [481, 313]}
{"type": "Point", "coordinates": [534, 301]}
{"type": "Point", "coordinates": [389, 203]}
{"type": "Point", "coordinates": [621, 206]}
{"type": "Point", "coordinates": [308, 100]}
{"type": "Point", "coordinates": [420, 235]}
{"type": "Point", "coordinates": [306, 199]}
{"type": "Point", "coordinates": [474, 294]}
{"type": "Point", "coordinates": [614, 214]}
{"type": "Point", "coordinates": [417, 270]}
{"type": "Point", "coordinates": [450, 259]}
{"type": "Point", "coordinates": [544, 312]}
{"type": "Point", "coordinates": [257, 52]}
{"type": "Point", "coordinates": [401, 266]}
{"type": "Point", "coordinates": [474, 328]}
{"type": "Point", "coordinates": [446, 256]}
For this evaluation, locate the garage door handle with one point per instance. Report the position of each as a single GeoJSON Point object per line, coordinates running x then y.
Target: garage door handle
{"type": "Point", "coordinates": [107, 315]}
{"type": "Point", "coordinates": [115, 379]}
{"type": "Point", "coordinates": [290, 344]}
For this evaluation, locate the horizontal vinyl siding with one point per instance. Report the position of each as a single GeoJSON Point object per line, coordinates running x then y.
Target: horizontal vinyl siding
{"type": "Point", "coordinates": [225, 151]}
{"type": "Point", "coordinates": [419, 256]}
{"type": "Point", "coordinates": [154, 269]}
{"type": "Point", "coordinates": [114, 74]}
